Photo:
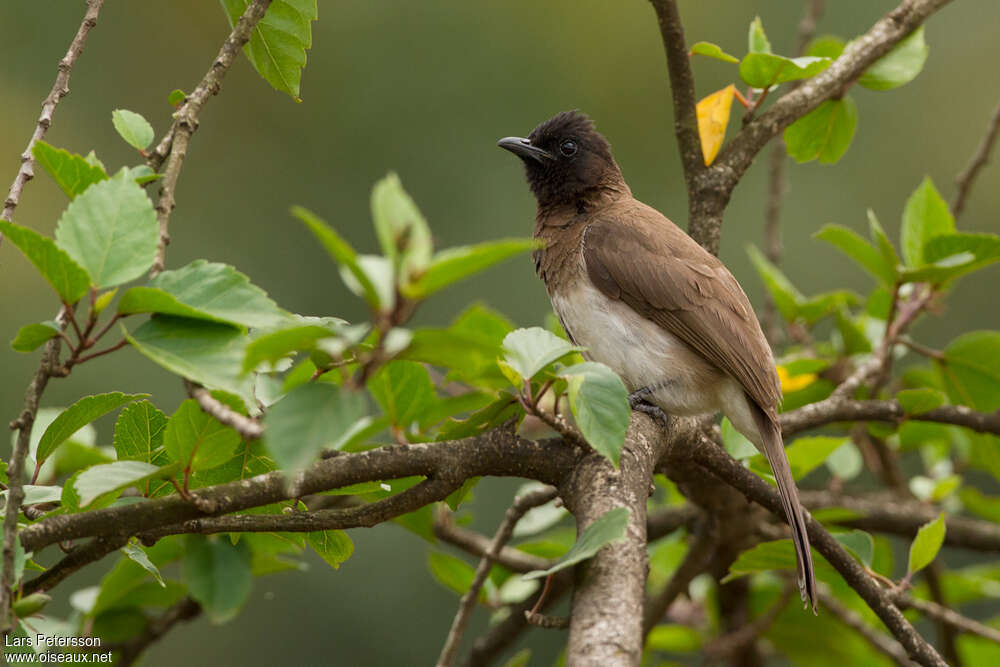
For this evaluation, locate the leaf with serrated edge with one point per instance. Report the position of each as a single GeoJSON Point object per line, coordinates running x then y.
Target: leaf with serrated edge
{"type": "Point", "coordinates": [606, 530]}
{"type": "Point", "coordinates": [278, 43]}
{"type": "Point", "coordinates": [71, 172]}
{"type": "Point", "coordinates": [108, 478]}
{"type": "Point", "coordinates": [111, 231]}
{"type": "Point", "coordinates": [78, 415]}
{"type": "Point", "coordinates": [528, 351]}
{"type": "Point", "coordinates": [197, 440]}
{"type": "Point", "coordinates": [68, 279]}
{"type": "Point", "coordinates": [207, 291]}
{"type": "Point", "coordinates": [599, 402]}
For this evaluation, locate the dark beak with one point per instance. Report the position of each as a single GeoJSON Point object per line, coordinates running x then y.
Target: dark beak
{"type": "Point", "coordinates": [524, 149]}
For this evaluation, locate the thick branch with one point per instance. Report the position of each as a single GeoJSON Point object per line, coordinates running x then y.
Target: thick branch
{"type": "Point", "coordinates": [60, 89]}
{"type": "Point", "coordinates": [175, 143]}
{"type": "Point", "coordinates": [714, 459]}
{"type": "Point", "coordinates": [497, 452]}
{"type": "Point", "coordinates": [737, 155]}
{"type": "Point", "coordinates": [85, 554]}
{"type": "Point", "coordinates": [978, 161]}
{"type": "Point", "coordinates": [836, 409]}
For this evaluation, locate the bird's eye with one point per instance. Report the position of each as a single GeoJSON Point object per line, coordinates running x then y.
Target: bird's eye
{"type": "Point", "coordinates": [568, 148]}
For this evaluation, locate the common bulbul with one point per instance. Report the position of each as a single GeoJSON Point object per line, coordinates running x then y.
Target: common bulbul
{"type": "Point", "coordinates": [646, 300]}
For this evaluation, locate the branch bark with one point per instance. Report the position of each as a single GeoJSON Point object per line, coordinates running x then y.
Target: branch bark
{"type": "Point", "coordinates": [173, 147]}
{"type": "Point", "coordinates": [978, 161]}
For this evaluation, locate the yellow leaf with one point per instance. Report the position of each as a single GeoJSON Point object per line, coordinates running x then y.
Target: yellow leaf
{"type": "Point", "coordinates": [790, 383]}
{"type": "Point", "coordinates": [713, 117]}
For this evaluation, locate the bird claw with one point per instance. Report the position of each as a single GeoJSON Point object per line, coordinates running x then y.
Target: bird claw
{"type": "Point", "coordinates": [637, 402]}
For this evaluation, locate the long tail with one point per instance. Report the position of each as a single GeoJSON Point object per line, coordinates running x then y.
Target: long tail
{"type": "Point", "coordinates": [774, 450]}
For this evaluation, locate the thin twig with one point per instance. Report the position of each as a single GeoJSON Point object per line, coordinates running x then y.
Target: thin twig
{"type": "Point", "coordinates": [248, 427]}
{"type": "Point", "coordinates": [517, 510]}
{"type": "Point", "coordinates": [950, 616]}
{"type": "Point", "coordinates": [173, 147]}
{"type": "Point", "coordinates": [947, 634]}
{"type": "Point", "coordinates": [880, 641]}
{"type": "Point", "coordinates": [59, 90]}
{"type": "Point", "coordinates": [185, 610]}
{"type": "Point", "coordinates": [965, 180]}
{"type": "Point", "coordinates": [77, 558]}
{"type": "Point", "coordinates": [778, 183]}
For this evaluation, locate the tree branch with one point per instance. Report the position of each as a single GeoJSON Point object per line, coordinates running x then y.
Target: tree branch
{"type": "Point", "coordinates": [737, 155]}
{"type": "Point", "coordinates": [836, 409]}
{"type": "Point", "coordinates": [185, 610]}
{"type": "Point", "coordinates": [85, 554]}
{"type": "Point", "coordinates": [468, 602]}
{"type": "Point", "coordinates": [965, 180]}
{"type": "Point", "coordinates": [173, 146]}
{"type": "Point", "coordinates": [60, 89]}
{"type": "Point", "coordinates": [247, 427]}
{"type": "Point", "coordinates": [715, 460]}
{"type": "Point", "coordinates": [949, 616]}
{"type": "Point", "coordinates": [879, 641]}
{"type": "Point", "coordinates": [889, 514]}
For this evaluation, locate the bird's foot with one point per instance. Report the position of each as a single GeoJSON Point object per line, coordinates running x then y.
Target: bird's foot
{"type": "Point", "coordinates": [638, 402]}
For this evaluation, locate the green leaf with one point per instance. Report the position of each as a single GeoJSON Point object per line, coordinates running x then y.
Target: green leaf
{"type": "Point", "coordinates": [859, 543]}
{"type": "Point", "coordinates": [941, 271]}
{"type": "Point", "coordinates": [606, 530]}
{"type": "Point", "coordinates": [218, 575]}
{"type": "Point", "coordinates": [916, 401]}
{"type": "Point", "coordinates": [519, 659]}
{"type": "Point", "coordinates": [827, 46]}
{"type": "Point", "coordinates": [110, 479]}
{"type": "Point", "coordinates": [176, 97]}
{"type": "Point", "coordinates": [775, 555]}
{"type": "Point", "coordinates": [404, 391]}
{"type": "Point", "coordinates": [599, 402]}
{"type": "Point", "coordinates": [205, 291]}
{"type": "Point", "coordinates": [712, 51]}
{"type": "Point", "coordinates": [309, 419]}
{"type": "Point", "coordinates": [278, 44]}
{"type": "Point", "coordinates": [673, 639]}
{"type": "Point", "coordinates": [528, 351]}
{"type": "Point", "coordinates": [31, 336]}
{"type": "Point", "coordinates": [276, 345]}
{"type": "Point", "coordinates": [111, 230]}
{"type": "Point", "coordinates": [139, 433]}
{"type": "Point", "coordinates": [763, 70]}
{"type": "Point", "coordinates": [133, 128]}
{"type": "Point", "coordinates": [197, 440]}
{"type": "Point", "coordinates": [68, 278]}
{"type": "Point", "coordinates": [785, 296]}
{"type": "Point", "coordinates": [926, 216]}
{"type": "Point", "coordinates": [901, 65]}
{"type": "Point", "coordinates": [341, 251]}
{"type": "Point", "coordinates": [881, 240]}
{"type": "Point", "coordinates": [333, 546]}
{"type": "Point", "coordinates": [804, 455]}
{"type": "Point", "coordinates": [824, 133]}
{"type": "Point", "coordinates": [401, 229]}
{"type": "Point", "coordinates": [854, 246]}
{"type": "Point", "coordinates": [453, 573]}
{"type": "Point", "coordinates": [954, 255]}
{"type": "Point", "coordinates": [78, 415]}
{"type": "Point", "coordinates": [757, 41]}
{"type": "Point", "coordinates": [454, 264]}
{"type": "Point", "coordinates": [737, 444]}
{"type": "Point", "coordinates": [71, 172]}
{"type": "Point", "coordinates": [852, 333]}
{"type": "Point", "coordinates": [138, 554]}
{"type": "Point", "coordinates": [980, 504]}
{"type": "Point", "coordinates": [204, 352]}
{"type": "Point", "coordinates": [971, 370]}
{"type": "Point", "coordinates": [927, 543]}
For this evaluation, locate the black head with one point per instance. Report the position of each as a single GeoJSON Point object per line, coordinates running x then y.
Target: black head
{"type": "Point", "coordinates": [565, 157]}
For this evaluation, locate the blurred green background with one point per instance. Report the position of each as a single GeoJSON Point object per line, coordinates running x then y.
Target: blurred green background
{"type": "Point", "coordinates": [425, 89]}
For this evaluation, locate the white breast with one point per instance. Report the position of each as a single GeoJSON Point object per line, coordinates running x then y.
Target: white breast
{"type": "Point", "coordinates": [640, 351]}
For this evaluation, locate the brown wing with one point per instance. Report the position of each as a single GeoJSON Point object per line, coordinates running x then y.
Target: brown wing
{"type": "Point", "coordinates": [634, 254]}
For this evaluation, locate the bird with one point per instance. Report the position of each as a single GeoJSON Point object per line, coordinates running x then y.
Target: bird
{"type": "Point", "coordinates": [642, 297]}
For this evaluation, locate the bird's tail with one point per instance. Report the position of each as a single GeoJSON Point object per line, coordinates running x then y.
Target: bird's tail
{"type": "Point", "coordinates": [774, 450]}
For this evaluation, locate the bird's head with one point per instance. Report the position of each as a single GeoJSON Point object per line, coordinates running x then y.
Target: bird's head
{"type": "Point", "coordinates": [565, 157]}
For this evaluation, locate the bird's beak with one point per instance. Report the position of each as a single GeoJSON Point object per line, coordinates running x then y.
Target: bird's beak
{"type": "Point", "coordinates": [523, 148]}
